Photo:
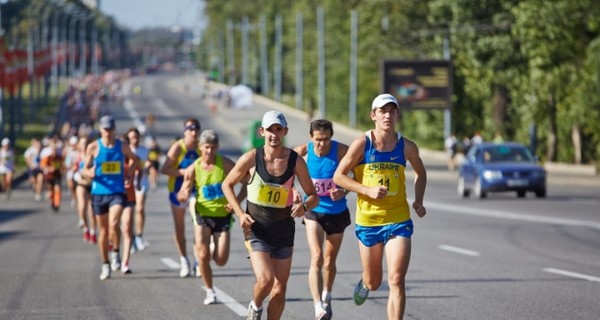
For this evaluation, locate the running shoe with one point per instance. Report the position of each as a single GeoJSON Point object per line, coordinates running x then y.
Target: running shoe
{"type": "Point", "coordinates": [321, 315]}
{"type": "Point", "coordinates": [86, 236]}
{"type": "Point", "coordinates": [211, 297]}
{"type": "Point", "coordinates": [361, 292]}
{"type": "Point", "coordinates": [93, 238]}
{"type": "Point", "coordinates": [140, 244]}
{"type": "Point", "coordinates": [115, 261]}
{"type": "Point", "coordinates": [185, 268]}
{"type": "Point", "coordinates": [253, 314]}
{"type": "Point", "coordinates": [327, 307]}
{"type": "Point", "coordinates": [125, 269]}
{"type": "Point", "coordinates": [105, 273]}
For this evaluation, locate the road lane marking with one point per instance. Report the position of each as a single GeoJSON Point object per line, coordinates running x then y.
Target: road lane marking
{"type": "Point", "coordinates": [135, 117]}
{"type": "Point", "coordinates": [512, 215]}
{"type": "Point", "coordinates": [230, 302]}
{"type": "Point", "coordinates": [466, 252]}
{"type": "Point", "coordinates": [164, 108]}
{"type": "Point", "coordinates": [170, 263]}
{"type": "Point", "coordinates": [572, 274]}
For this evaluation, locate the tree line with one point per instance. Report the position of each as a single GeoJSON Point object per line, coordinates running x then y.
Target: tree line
{"type": "Point", "coordinates": [522, 68]}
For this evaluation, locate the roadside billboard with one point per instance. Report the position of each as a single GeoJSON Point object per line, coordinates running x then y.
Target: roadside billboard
{"type": "Point", "coordinates": [425, 84]}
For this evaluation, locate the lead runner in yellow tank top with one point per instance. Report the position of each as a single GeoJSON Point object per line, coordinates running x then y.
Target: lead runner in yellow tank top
{"type": "Point", "coordinates": [378, 160]}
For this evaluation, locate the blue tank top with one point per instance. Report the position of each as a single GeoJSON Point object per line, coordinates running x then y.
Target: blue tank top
{"type": "Point", "coordinates": [109, 165]}
{"type": "Point", "coordinates": [321, 170]}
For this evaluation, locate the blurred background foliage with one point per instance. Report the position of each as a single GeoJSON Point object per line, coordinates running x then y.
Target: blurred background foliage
{"type": "Point", "coordinates": [519, 65]}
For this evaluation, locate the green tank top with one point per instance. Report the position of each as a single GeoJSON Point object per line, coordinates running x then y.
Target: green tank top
{"type": "Point", "coordinates": [210, 200]}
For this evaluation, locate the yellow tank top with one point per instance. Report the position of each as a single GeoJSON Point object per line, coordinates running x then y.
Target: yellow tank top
{"type": "Point", "coordinates": [386, 169]}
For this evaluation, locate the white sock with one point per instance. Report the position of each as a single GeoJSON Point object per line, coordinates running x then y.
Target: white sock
{"type": "Point", "coordinates": [318, 308]}
{"type": "Point", "coordinates": [253, 306]}
{"type": "Point", "coordinates": [325, 296]}
{"type": "Point", "coordinates": [183, 260]}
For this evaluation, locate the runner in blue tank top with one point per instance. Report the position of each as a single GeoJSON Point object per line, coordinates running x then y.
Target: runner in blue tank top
{"type": "Point", "coordinates": [104, 163]}
{"type": "Point", "coordinates": [181, 154]}
{"type": "Point", "coordinates": [327, 221]}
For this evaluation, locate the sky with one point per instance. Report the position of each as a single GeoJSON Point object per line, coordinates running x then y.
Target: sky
{"type": "Point", "coordinates": [137, 14]}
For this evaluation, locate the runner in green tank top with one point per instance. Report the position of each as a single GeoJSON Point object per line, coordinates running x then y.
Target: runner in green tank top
{"type": "Point", "coordinates": [212, 217]}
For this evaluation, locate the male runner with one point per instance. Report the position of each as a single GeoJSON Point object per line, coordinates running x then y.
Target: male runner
{"type": "Point", "coordinates": [268, 221]}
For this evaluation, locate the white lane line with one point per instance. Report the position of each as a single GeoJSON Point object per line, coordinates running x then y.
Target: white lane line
{"type": "Point", "coordinates": [170, 263]}
{"type": "Point", "coordinates": [164, 108]}
{"type": "Point", "coordinates": [466, 252]}
{"type": "Point", "coordinates": [512, 215]}
{"type": "Point", "coordinates": [572, 274]}
{"type": "Point", "coordinates": [135, 117]}
{"type": "Point", "coordinates": [230, 302]}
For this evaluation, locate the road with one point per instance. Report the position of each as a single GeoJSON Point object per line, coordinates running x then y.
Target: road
{"type": "Point", "coordinates": [499, 258]}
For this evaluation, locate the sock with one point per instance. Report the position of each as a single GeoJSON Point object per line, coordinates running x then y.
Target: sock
{"type": "Point", "coordinates": [183, 260]}
{"type": "Point", "coordinates": [318, 308]}
{"type": "Point", "coordinates": [326, 295]}
{"type": "Point", "coordinates": [254, 307]}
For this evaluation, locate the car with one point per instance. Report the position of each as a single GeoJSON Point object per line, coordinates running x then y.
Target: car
{"type": "Point", "coordinates": [499, 167]}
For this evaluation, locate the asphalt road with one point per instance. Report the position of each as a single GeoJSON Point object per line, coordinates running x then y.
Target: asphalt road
{"type": "Point", "coordinates": [499, 258]}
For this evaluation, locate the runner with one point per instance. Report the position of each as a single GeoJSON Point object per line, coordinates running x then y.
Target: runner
{"type": "Point", "coordinates": [82, 192]}
{"type": "Point", "coordinates": [36, 176]}
{"type": "Point", "coordinates": [52, 165]}
{"type": "Point", "coordinates": [7, 166]}
{"type": "Point", "coordinates": [104, 163]}
{"type": "Point", "coordinates": [268, 222]}
{"type": "Point", "coordinates": [383, 223]}
{"type": "Point", "coordinates": [326, 222]}
{"type": "Point", "coordinates": [141, 187]}
{"type": "Point", "coordinates": [154, 154]}
{"type": "Point", "coordinates": [126, 222]}
{"type": "Point", "coordinates": [213, 215]}
{"type": "Point", "coordinates": [71, 155]}
{"type": "Point", "coordinates": [182, 154]}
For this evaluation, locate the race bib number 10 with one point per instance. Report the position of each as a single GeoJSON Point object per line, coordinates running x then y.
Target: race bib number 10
{"type": "Point", "coordinates": [274, 196]}
{"type": "Point", "coordinates": [390, 181]}
{"type": "Point", "coordinates": [111, 167]}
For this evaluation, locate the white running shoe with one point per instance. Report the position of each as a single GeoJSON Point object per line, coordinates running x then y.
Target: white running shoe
{"type": "Point", "coordinates": [211, 297]}
{"type": "Point", "coordinates": [115, 261]}
{"type": "Point", "coordinates": [105, 273]}
{"type": "Point", "coordinates": [125, 269]}
{"type": "Point", "coordinates": [185, 268]}
{"type": "Point", "coordinates": [140, 244]}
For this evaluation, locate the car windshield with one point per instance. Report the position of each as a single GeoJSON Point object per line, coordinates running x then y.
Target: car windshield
{"type": "Point", "coordinates": [507, 154]}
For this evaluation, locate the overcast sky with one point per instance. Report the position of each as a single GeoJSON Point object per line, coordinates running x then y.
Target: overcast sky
{"type": "Point", "coordinates": [137, 14]}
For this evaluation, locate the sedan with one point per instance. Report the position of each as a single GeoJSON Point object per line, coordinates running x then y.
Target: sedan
{"type": "Point", "coordinates": [497, 167]}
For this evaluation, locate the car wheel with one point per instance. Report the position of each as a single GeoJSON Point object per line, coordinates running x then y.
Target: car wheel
{"type": "Point", "coordinates": [540, 193]}
{"type": "Point", "coordinates": [462, 191]}
{"type": "Point", "coordinates": [521, 194]}
{"type": "Point", "coordinates": [477, 191]}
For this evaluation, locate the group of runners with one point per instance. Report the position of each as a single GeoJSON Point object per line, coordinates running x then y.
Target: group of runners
{"type": "Point", "coordinates": [212, 187]}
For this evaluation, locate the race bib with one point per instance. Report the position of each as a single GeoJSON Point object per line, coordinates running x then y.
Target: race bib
{"type": "Point", "coordinates": [323, 186]}
{"type": "Point", "coordinates": [390, 181]}
{"type": "Point", "coordinates": [212, 192]}
{"type": "Point", "coordinates": [272, 195]}
{"type": "Point", "coordinates": [111, 167]}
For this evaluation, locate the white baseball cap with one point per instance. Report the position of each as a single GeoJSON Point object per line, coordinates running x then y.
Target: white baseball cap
{"type": "Point", "coordinates": [5, 141]}
{"type": "Point", "coordinates": [273, 117]}
{"type": "Point", "coordinates": [383, 99]}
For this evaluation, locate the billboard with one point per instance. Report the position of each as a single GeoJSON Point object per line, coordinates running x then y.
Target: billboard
{"type": "Point", "coordinates": [418, 84]}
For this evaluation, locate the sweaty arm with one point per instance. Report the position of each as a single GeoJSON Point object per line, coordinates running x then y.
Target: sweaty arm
{"type": "Point", "coordinates": [188, 182]}
{"type": "Point", "coordinates": [88, 160]}
{"type": "Point", "coordinates": [411, 152]}
{"type": "Point", "coordinates": [172, 155]}
{"type": "Point", "coordinates": [237, 174]}
{"type": "Point", "coordinates": [306, 183]}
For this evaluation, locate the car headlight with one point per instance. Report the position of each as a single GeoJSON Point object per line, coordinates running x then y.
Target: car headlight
{"type": "Point", "coordinates": [492, 174]}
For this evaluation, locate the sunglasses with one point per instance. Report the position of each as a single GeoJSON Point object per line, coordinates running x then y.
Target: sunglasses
{"type": "Point", "coordinates": [192, 127]}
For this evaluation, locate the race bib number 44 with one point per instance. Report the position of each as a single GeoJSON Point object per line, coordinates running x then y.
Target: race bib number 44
{"type": "Point", "coordinates": [390, 181]}
{"type": "Point", "coordinates": [274, 196]}
{"type": "Point", "coordinates": [111, 167]}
